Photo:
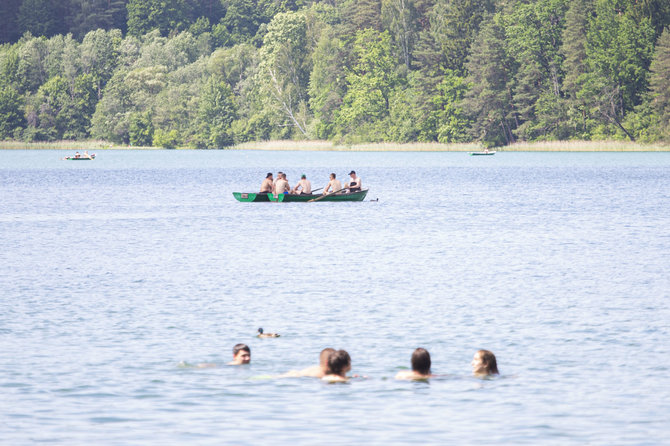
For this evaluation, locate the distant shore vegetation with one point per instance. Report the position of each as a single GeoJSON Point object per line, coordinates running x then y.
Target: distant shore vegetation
{"type": "Point", "coordinates": [318, 146]}
{"type": "Point", "coordinates": [571, 75]}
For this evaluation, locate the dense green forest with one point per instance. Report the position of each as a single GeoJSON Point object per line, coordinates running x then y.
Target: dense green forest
{"type": "Point", "coordinates": [212, 73]}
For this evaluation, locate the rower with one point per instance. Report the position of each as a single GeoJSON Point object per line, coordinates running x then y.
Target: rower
{"type": "Point", "coordinates": [334, 185]}
{"type": "Point", "coordinates": [355, 184]}
{"type": "Point", "coordinates": [281, 185]}
{"type": "Point", "coordinates": [268, 182]}
{"type": "Point", "coordinates": [304, 186]}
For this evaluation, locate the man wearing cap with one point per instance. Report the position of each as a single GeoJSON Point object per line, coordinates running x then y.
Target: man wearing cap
{"type": "Point", "coordinates": [355, 184]}
{"type": "Point", "coordinates": [304, 187]}
{"type": "Point", "coordinates": [267, 185]}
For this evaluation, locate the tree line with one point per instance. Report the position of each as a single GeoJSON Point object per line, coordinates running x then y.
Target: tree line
{"type": "Point", "coordinates": [213, 73]}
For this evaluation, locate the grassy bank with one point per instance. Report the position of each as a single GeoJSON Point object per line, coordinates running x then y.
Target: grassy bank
{"type": "Point", "coordinates": [67, 145]}
{"type": "Point", "coordinates": [546, 146]}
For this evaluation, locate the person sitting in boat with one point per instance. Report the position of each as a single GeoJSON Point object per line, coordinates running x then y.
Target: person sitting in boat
{"type": "Point", "coordinates": [77, 155]}
{"type": "Point", "coordinates": [304, 186]}
{"type": "Point", "coordinates": [484, 364]}
{"type": "Point", "coordinates": [333, 186]}
{"type": "Point", "coordinates": [339, 363]}
{"type": "Point", "coordinates": [86, 155]}
{"type": "Point", "coordinates": [281, 185]}
{"type": "Point", "coordinates": [267, 185]}
{"type": "Point", "coordinates": [241, 355]}
{"type": "Point", "coordinates": [355, 184]}
{"type": "Point", "coordinates": [420, 366]}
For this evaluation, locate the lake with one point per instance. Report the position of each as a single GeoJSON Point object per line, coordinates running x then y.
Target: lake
{"type": "Point", "coordinates": [116, 272]}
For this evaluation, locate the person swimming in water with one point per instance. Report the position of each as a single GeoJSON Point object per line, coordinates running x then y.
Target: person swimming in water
{"type": "Point", "coordinates": [484, 364]}
{"type": "Point", "coordinates": [420, 366]}
{"type": "Point", "coordinates": [241, 355]}
{"type": "Point", "coordinates": [339, 363]}
{"type": "Point", "coordinates": [315, 371]}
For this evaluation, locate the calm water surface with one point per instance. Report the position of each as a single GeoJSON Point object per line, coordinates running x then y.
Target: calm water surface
{"type": "Point", "coordinates": [114, 271]}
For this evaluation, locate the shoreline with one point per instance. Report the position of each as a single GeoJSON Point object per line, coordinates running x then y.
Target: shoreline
{"type": "Point", "coordinates": [316, 146]}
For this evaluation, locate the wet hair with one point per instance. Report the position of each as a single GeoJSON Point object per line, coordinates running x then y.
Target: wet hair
{"type": "Point", "coordinates": [489, 361]}
{"type": "Point", "coordinates": [268, 175]}
{"type": "Point", "coordinates": [325, 354]}
{"type": "Point", "coordinates": [333, 175]}
{"type": "Point", "coordinates": [421, 361]}
{"type": "Point", "coordinates": [241, 347]}
{"type": "Point", "coordinates": [338, 362]}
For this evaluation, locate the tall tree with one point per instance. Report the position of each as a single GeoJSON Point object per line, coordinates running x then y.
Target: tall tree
{"type": "Point", "coordinates": [400, 18]}
{"type": "Point", "coordinates": [491, 73]}
{"type": "Point", "coordinates": [284, 69]}
{"type": "Point", "coordinates": [10, 30]}
{"type": "Point", "coordinates": [43, 17]}
{"type": "Point", "coordinates": [619, 52]}
{"type": "Point", "coordinates": [327, 82]}
{"type": "Point", "coordinates": [89, 15]}
{"type": "Point", "coordinates": [164, 15]}
{"type": "Point", "coordinates": [370, 83]}
{"type": "Point", "coordinates": [575, 64]}
{"type": "Point", "coordinates": [533, 36]}
{"type": "Point", "coordinates": [660, 85]}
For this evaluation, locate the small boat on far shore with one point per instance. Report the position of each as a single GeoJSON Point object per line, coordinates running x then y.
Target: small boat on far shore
{"type": "Point", "coordinates": [485, 152]}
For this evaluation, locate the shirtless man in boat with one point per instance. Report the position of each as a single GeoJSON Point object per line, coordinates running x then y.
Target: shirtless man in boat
{"type": "Point", "coordinates": [304, 187]}
{"type": "Point", "coordinates": [334, 185]}
{"type": "Point", "coordinates": [355, 184]}
{"type": "Point", "coordinates": [267, 185]}
{"type": "Point", "coordinates": [281, 185]}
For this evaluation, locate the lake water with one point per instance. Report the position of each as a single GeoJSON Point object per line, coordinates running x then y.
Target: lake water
{"type": "Point", "coordinates": [114, 271]}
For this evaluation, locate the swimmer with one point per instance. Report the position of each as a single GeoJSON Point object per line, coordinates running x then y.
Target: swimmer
{"type": "Point", "coordinates": [316, 371]}
{"type": "Point", "coordinates": [420, 366]}
{"type": "Point", "coordinates": [339, 363]}
{"type": "Point", "coordinates": [241, 355]}
{"type": "Point", "coordinates": [484, 364]}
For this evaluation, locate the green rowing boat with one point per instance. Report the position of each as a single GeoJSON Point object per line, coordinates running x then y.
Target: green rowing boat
{"type": "Point", "coordinates": [251, 197]}
{"type": "Point", "coordinates": [256, 197]}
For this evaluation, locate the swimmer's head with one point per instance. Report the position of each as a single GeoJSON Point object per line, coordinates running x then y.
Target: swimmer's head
{"type": "Point", "coordinates": [339, 363]}
{"type": "Point", "coordinates": [484, 363]}
{"type": "Point", "coordinates": [241, 354]}
{"type": "Point", "coordinates": [323, 357]}
{"type": "Point", "coordinates": [421, 361]}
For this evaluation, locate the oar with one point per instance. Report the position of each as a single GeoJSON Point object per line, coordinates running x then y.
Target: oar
{"type": "Point", "coordinates": [317, 189]}
{"type": "Point", "coordinates": [325, 195]}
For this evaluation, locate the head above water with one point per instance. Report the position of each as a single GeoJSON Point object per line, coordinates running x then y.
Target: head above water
{"type": "Point", "coordinates": [241, 354]}
{"type": "Point", "coordinates": [339, 363]}
{"type": "Point", "coordinates": [324, 355]}
{"type": "Point", "coordinates": [421, 361]}
{"type": "Point", "coordinates": [484, 363]}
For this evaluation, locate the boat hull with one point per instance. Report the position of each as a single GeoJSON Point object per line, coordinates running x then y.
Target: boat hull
{"type": "Point", "coordinates": [482, 153]}
{"type": "Point", "coordinates": [354, 196]}
{"type": "Point", "coordinates": [251, 197]}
